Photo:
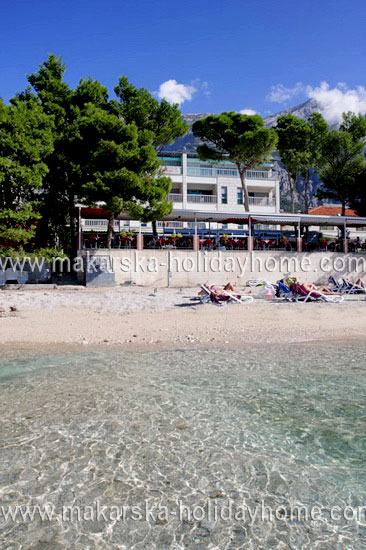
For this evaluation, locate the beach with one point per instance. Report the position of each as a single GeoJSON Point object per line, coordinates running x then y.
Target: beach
{"type": "Point", "coordinates": [148, 318]}
{"type": "Point", "coordinates": [138, 418]}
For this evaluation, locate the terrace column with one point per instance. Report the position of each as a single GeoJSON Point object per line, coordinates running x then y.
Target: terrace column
{"type": "Point", "coordinates": [80, 231]}
{"type": "Point", "coordinates": [345, 240]}
{"type": "Point", "coordinates": [299, 239]}
{"type": "Point", "coordinates": [196, 241]}
{"type": "Point", "coordinates": [139, 239]}
{"type": "Point", "coordinates": [250, 237]}
{"type": "Point", "coordinates": [184, 179]}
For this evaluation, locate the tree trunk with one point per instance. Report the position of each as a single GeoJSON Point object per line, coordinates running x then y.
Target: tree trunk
{"type": "Point", "coordinates": [110, 230]}
{"type": "Point", "coordinates": [292, 191]}
{"type": "Point", "coordinates": [155, 231]}
{"type": "Point", "coordinates": [245, 190]}
{"type": "Point", "coordinates": [343, 208]}
{"type": "Point", "coordinates": [74, 246]}
{"type": "Point", "coordinates": [306, 191]}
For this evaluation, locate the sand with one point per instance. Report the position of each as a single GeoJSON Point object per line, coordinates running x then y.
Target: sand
{"type": "Point", "coordinates": [140, 318]}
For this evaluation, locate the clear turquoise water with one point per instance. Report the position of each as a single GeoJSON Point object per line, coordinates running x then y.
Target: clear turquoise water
{"type": "Point", "coordinates": [282, 426]}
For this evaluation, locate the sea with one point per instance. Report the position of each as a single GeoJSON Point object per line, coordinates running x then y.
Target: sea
{"type": "Point", "coordinates": [261, 448]}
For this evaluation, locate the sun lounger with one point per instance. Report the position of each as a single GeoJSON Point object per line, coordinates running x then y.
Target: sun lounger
{"type": "Point", "coordinates": [238, 298]}
{"type": "Point", "coordinates": [224, 296]}
{"type": "Point", "coordinates": [336, 285]}
{"type": "Point", "coordinates": [353, 288]}
{"type": "Point", "coordinates": [303, 295]}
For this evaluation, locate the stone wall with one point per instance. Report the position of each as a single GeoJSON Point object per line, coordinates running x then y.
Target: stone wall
{"type": "Point", "coordinates": [186, 268]}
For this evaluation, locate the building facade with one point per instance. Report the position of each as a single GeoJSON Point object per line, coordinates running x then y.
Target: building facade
{"type": "Point", "coordinates": [203, 186]}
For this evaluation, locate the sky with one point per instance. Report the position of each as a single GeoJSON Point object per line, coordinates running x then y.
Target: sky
{"type": "Point", "coordinates": [207, 55]}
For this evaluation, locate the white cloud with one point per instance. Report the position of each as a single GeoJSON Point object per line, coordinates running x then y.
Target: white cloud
{"type": "Point", "coordinates": [174, 92]}
{"type": "Point", "coordinates": [247, 112]}
{"type": "Point", "coordinates": [281, 94]}
{"type": "Point", "coordinates": [338, 100]}
{"type": "Point", "coordinates": [201, 86]}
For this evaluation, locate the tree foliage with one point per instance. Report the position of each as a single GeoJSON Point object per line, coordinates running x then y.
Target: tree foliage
{"type": "Point", "coordinates": [25, 142]}
{"type": "Point", "coordinates": [117, 158]}
{"type": "Point", "coordinates": [300, 144]}
{"type": "Point", "coordinates": [242, 139]}
{"type": "Point", "coordinates": [342, 162]}
{"type": "Point", "coordinates": [165, 124]}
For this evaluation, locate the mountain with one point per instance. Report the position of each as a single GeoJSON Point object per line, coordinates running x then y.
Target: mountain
{"type": "Point", "coordinates": [304, 110]}
{"type": "Point", "coordinates": [189, 143]}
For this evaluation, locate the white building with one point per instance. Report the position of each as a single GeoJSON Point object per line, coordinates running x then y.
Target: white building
{"type": "Point", "coordinates": [202, 186]}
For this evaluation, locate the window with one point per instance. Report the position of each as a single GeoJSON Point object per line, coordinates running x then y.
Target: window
{"type": "Point", "coordinates": [240, 226]}
{"type": "Point", "coordinates": [224, 226]}
{"type": "Point", "coordinates": [240, 195]}
{"type": "Point", "coordinates": [328, 227]}
{"type": "Point", "coordinates": [224, 195]}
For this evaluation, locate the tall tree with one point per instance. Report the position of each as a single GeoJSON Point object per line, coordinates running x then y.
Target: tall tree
{"type": "Point", "coordinates": [63, 184]}
{"type": "Point", "coordinates": [165, 122]}
{"type": "Point", "coordinates": [317, 130]}
{"type": "Point", "coordinates": [358, 193]}
{"type": "Point", "coordinates": [60, 187]}
{"type": "Point", "coordinates": [342, 161]}
{"type": "Point", "coordinates": [242, 139]}
{"type": "Point", "coordinates": [25, 141]}
{"type": "Point", "coordinates": [116, 159]}
{"type": "Point", "coordinates": [292, 133]}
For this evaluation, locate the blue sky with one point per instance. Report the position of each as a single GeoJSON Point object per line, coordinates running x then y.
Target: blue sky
{"type": "Point", "coordinates": [211, 56]}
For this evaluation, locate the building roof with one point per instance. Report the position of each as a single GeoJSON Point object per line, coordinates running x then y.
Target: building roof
{"type": "Point", "coordinates": [331, 211]}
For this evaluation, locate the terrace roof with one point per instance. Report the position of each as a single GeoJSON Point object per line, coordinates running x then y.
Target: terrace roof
{"type": "Point", "coordinates": [282, 218]}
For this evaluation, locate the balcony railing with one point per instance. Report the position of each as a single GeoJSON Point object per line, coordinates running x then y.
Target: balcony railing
{"type": "Point", "coordinates": [262, 201]}
{"type": "Point", "coordinates": [100, 225]}
{"type": "Point", "coordinates": [213, 172]}
{"type": "Point", "coordinates": [206, 199]}
{"type": "Point", "coordinates": [200, 225]}
{"type": "Point", "coordinates": [170, 225]}
{"type": "Point", "coordinates": [257, 175]}
{"type": "Point", "coordinates": [172, 169]}
{"type": "Point", "coordinates": [175, 197]}
{"type": "Point", "coordinates": [227, 173]}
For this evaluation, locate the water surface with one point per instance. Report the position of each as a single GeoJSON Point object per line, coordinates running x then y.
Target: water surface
{"type": "Point", "coordinates": [266, 426]}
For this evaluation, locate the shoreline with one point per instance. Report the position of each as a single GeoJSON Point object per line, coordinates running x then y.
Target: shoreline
{"type": "Point", "coordinates": [140, 319]}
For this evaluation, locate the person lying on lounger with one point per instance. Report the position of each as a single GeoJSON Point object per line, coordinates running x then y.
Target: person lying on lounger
{"type": "Point", "coordinates": [309, 287]}
{"type": "Point", "coordinates": [218, 291]}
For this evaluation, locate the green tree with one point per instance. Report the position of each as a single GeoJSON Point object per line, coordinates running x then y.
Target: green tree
{"type": "Point", "coordinates": [166, 124]}
{"type": "Point", "coordinates": [25, 141]}
{"type": "Point", "coordinates": [358, 192]}
{"type": "Point", "coordinates": [317, 130]}
{"type": "Point", "coordinates": [116, 159]}
{"type": "Point", "coordinates": [242, 139]}
{"type": "Point", "coordinates": [293, 137]}
{"type": "Point", "coordinates": [342, 161]}
{"type": "Point", "coordinates": [64, 181]}
{"type": "Point", "coordinates": [60, 187]}
{"type": "Point", "coordinates": [354, 125]}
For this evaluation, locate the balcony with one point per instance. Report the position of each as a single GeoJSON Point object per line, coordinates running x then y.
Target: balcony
{"type": "Point", "coordinates": [212, 172]}
{"type": "Point", "coordinates": [227, 173]}
{"type": "Point", "coordinates": [262, 201]}
{"type": "Point", "coordinates": [202, 199]}
{"type": "Point", "coordinates": [174, 170]}
{"type": "Point", "coordinates": [175, 197]}
{"type": "Point", "coordinates": [170, 225]}
{"type": "Point", "coordinates": [257, 175]}
{"type": "Point", "coordinates": [100, 225]}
